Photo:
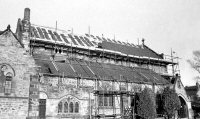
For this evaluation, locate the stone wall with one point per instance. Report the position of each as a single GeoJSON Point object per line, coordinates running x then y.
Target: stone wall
{"type": "Point", "coordinates": [57, 89]}
{"type": "Point", "coordinates": [12, 54]}
{"type": "Point", "coordinates": [13, 108]}
{"type": "Point", "coordinates": [61, 89]}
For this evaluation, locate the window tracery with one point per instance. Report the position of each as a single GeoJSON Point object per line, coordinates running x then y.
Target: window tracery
{"type": "Point", "coordinates": [6, 77]}
{"type": "Point", "coordinates": [65, 107]}
{"type": "Point", "coordinates": [68, 106]}
{"type": "Point", "coordinates": [71, 107]}
{"type": "Point", "coordinates": [59, 107]}
{"type": "Point", "coordinates": [76, 107]}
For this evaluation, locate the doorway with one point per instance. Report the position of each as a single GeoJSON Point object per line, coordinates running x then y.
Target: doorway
{"type": "Point", "coordinates": [183, 112]}
{"type": "Point", "coordinates": [42, 108]}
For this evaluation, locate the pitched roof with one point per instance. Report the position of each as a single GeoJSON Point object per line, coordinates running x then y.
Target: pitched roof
{"type": "Point", "coordinates": [191, 90]}
{"type": "Point", "coordinates": [9, 30]}
{"type": "Point", "coordinates": [130, 50]}
{"type": "Point", "coordinates": [86, 41]}
{"type": "Point", "coordinates": [93, 70]}
{"type": "Point", "coordinates": [1, 32]}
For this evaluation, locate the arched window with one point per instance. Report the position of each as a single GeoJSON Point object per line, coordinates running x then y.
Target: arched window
{"type": "Point", "coordinates": [65, 107]}
{"type": "Point", "coordinates": [71, 107]}
{"type": "Point", "coordinates": [76, 107]}
{"type": "Point", "coordinates": [8, 83]}
{"type": "Point", "coordinates": [60, 107]}
{"type": "Point", "coordinates": [6, 76]}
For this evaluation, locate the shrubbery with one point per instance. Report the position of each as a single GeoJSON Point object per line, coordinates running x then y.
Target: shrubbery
{"type": "Point", "coordinates": [171, 102]}
{"type": "Point", "coordinates": [146, 104]}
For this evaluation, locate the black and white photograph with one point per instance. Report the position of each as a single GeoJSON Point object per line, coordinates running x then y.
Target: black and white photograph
{"type": "Point", "coordinates": [100, 59]}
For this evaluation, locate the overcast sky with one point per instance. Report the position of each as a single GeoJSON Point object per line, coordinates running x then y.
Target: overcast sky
{"type": "Point", "coordinates": [165, 24]}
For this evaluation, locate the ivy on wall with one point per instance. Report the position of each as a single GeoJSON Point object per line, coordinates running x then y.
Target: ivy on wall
{"type": "Point", "coordinates": [171, 102]}
{"type": "Point", "coordinates": [146, 106]}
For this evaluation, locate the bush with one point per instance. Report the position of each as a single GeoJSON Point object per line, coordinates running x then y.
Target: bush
{"type": "Point", "coordinates": [146, 106]}
{"type": "Point", "coordinates": [171, 102]}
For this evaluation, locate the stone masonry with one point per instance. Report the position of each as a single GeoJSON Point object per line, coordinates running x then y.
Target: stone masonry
{"type": "Point", "coordinates": [12, 54]}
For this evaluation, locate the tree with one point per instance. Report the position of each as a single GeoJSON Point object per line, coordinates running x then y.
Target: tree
{"type": "Point", "coordinates": [146, 106]}
{"type": "Point", "coordinates": [171, 102]}
{"type": "Point", "coordinates": [195, 62]}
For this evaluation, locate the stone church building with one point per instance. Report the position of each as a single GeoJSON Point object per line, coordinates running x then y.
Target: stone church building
{"type": "Point", "coordinates": [53, 74]}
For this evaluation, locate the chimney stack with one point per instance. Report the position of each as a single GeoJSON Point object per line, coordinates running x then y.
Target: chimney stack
{"type": "Point", "coordinates": [26, 20]}
{"type": "Point", "coordinates": [26, 29]}
{"type": "Point", "coordinates": [27, 14]}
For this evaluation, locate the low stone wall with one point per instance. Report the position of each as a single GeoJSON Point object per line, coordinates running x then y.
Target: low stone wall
{"type": "Point", "coordinates": [13, 108]}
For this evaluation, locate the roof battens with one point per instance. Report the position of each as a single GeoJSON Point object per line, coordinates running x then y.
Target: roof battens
{"type": "Point", "coordinates": [62, 43]}
{"type": "Point", "coordinates": [107, 51]}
